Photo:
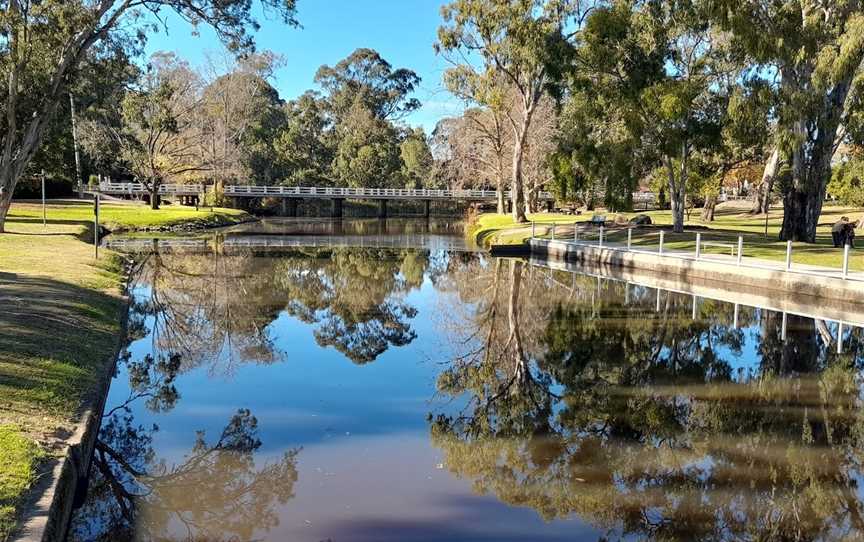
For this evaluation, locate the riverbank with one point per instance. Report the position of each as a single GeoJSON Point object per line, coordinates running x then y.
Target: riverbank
{"type": "Point", "coordinates": [61, 322]}
{"type": "Point", "coordinates": [731, 221]}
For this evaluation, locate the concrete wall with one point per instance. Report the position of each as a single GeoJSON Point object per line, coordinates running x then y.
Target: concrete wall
{"type": "Point", "coordinates": [770, 283]}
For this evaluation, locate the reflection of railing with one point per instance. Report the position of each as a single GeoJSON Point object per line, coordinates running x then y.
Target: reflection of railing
{"type": "Point", "coordinates": [312, 192]}
{"type": "Point", "coordinates": [259, 242]}
{"type": "Point", "coordinates": [703, 245]}
{"type": "Point", "coordinates": [767, 301]}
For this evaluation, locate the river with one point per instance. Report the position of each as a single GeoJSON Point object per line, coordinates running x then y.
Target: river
{"type": "Point", "coordinates": [369, 381]}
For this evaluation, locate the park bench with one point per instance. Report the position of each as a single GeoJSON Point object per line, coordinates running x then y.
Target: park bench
{"type": "Point", "coordinates": [597, 220]}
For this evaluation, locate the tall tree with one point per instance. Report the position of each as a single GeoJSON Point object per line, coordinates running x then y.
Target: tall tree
{"type": "Point", "coordinates": [813, 51]}
{"type": "Point", "coordinates": [45, 42]}
{"type": "Point", "coordinates": [515, 43]}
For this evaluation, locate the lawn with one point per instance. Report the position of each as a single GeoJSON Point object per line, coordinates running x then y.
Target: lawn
{"type": "Point", "coordinates": [125, 216]}
{"type": "Point", "coordinates": [61, 321]}
{"type": "Point", "coordinates": [731, 220]}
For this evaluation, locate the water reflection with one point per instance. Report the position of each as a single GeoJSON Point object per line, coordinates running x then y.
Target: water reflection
{"type": "Point", "coordinates": [503, 400]}
{"type": "Point", "coordinates": [635, 419]}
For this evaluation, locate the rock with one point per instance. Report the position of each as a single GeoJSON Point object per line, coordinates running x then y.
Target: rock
{"type": "Point", "coordinates": [640, 220]}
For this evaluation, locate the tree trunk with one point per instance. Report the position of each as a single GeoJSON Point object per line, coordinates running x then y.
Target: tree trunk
{"type": "Point", "coordinates": [154, 197]}
{"type": "Point", "coordinates": [811, 160]}
{"type": "Point", "coordinates": [5, 199]}
{"type": "Point", "coordinates": [709, 208]}
{"type": "Point", "coordinates": [677, 192]}
{"type": "Point", "coordinates": [500, 195]}
{"type": "Point", "coordinates": [516, 190]}
{"type": "Point", "coordinates": [762, 194]}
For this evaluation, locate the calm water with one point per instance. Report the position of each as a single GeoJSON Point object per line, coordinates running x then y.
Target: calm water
{"type": "Point", "coordinates": [382, 393]}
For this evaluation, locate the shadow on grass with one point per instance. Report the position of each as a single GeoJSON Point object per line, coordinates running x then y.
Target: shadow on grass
{"type": "Point", "coordinates": [55, 340]}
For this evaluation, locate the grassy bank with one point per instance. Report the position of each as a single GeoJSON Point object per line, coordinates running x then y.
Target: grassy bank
{"type": "Point", "coordinates": [730, 221]}
{"type": "Point", "coordinates": [60, 324]}
{"type": "Point", "coordinates": [127, 216]}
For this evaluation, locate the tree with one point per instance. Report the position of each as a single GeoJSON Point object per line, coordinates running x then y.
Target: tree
{"type": "Point", "coordinates": [159, 137]}
{"type": "Point", "coordinates": [657, 66]}
{"type": "Point", "coordinates": [367, 78]}
{"type": "Point", "coordinates": [518, 44]}
{"type": "Point", "coordinates": [367, 152]}
{"type": "Point", "coordinates": [239, 115]}
{"type": "Point", "coordinates": [46, 42]}
{"type": "Point", "coordinates": [813, 52]}
{"type": "Point", "coordinates": [306, 144]}
{"type": "Point", "coordinates": [416, 159]}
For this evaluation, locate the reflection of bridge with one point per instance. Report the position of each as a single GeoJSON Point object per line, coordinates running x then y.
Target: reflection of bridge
{"type": "Point", "coordinates": [277, 243]}
{"type": "Point", "coordinates": [189, 193]}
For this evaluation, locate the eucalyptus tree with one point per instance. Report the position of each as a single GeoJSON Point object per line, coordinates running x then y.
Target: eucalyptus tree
{"type": "Point", "coordinates": [812, 51]}
{"type": "Point", "coordinates": [496, 45]}
{"type": "Point", "coordinates": [657, 65]}
{"type": "Point", "coordinates": [306, 145]}
{"type": "Point", "coordinates": [46, 41]}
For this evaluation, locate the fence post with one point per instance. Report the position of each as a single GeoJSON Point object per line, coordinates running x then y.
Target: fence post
{"type": "Point", "coordinates": [740, 248]}
{"type": "Point", "coordinates": [662, 237]}
{"type": "Point", "coordinates": [845, 261]}
{"type": "Point", "coordinates": [601, 236]}
{"type": "Point", "coordinates": [553, 231]}
{"type": "Point", "coordinates": [840, 335]}
{"type": "Point", "coordinates": [788, 255]}
{"type": "Point", "coordinates": [629, 238]}
{"type": "Point", "coordinates": [698, 245]}
{"type": "Point", "coordinates": [575, 231]}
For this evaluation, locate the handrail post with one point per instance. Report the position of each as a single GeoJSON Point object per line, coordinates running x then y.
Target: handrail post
{"type": "Point", "coordinates": [601, 236]}
{"type": "Point", "coordinates": [629, 237]}
{"type": "Point", "coordinates": [553, 231]}
{"type": "Point", "coordinates": [698, 245]}
{"type": "Point", "coordinates": [662, 237]}
{"type": "Point", "coordinates": [575, 231]}
{"type": "Point", "coordinates": [788, 255]}
{"type": "Point", "coordinates": [532, 229]}
{"type": "Point", "coordinates": [740, 248]}
{"type": "Point", "coordinates": [846, 261]}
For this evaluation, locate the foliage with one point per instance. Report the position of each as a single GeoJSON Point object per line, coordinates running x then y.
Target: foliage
{"type": "Point", "coordinates": [847, 183]}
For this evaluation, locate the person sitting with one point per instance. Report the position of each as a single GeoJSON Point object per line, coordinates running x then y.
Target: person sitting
{"type": "Point", "coordinates": [838, 231]}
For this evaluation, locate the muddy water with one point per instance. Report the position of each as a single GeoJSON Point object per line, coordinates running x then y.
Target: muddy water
{"type": "Point", "coordinates": [384, 393]}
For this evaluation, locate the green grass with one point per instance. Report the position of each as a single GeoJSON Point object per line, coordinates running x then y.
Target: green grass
{"type": "Point", "coordinates": [60, 322]}
{"type": "Point", "coordinates": [730, 222]}
{"type": "Point", "coordinates": [18, 459]}
{"type": "Point", "coordinates": [125, 216]}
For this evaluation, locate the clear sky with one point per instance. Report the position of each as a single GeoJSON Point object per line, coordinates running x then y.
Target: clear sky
{"type": "Point", "coordinates": [402, 31]}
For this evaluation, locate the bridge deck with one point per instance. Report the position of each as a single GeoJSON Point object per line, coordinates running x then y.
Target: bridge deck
{"type": "Point", "coordinates": [312, 192]}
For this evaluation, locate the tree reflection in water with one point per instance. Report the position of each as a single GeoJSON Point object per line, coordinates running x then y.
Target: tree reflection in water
{"type": "Point", "coordinates": [215, 309]}
{"type": "Point", "coordinates": [627, 412]}
{"type": "Point", "coordinates": [217, 492]}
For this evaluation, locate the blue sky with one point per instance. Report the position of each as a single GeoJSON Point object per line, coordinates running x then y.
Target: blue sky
{"type": "Point", "coordinates": [402, 31]}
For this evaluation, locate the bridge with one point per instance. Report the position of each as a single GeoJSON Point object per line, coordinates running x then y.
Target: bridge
{"type": "Point", "coordinates": [290, 195]}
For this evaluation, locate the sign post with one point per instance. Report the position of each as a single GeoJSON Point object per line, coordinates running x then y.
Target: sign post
{"type": "Point", "coordinates": [96, 223]}
{"type": "Point", "coordinates": [44, 221]}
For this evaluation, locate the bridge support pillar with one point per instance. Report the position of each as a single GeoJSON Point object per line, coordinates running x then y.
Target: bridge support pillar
{"type": "Point", "coordinates": [550, 205]}
{"type": "Point", "coordinates": [427, 208]}
{"type": "Point", "coordinates": [289, 207]}
{"type": "Point", "coordinates": [382, 208]}
{"type": "Point", "coordinates": [508, 206]}
{"type": "Point", "coordinates": [337, 208]}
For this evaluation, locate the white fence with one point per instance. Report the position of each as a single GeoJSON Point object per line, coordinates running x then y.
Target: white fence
{"type": "Point", "coordinates": [312, 192]}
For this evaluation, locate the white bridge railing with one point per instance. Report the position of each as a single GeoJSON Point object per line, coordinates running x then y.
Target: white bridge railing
{"type": "Point", "coordinates": [312, 191]}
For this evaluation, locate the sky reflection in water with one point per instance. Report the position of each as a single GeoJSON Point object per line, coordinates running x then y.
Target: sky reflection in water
{"type": "Point", "coordinates": [353, 394]}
